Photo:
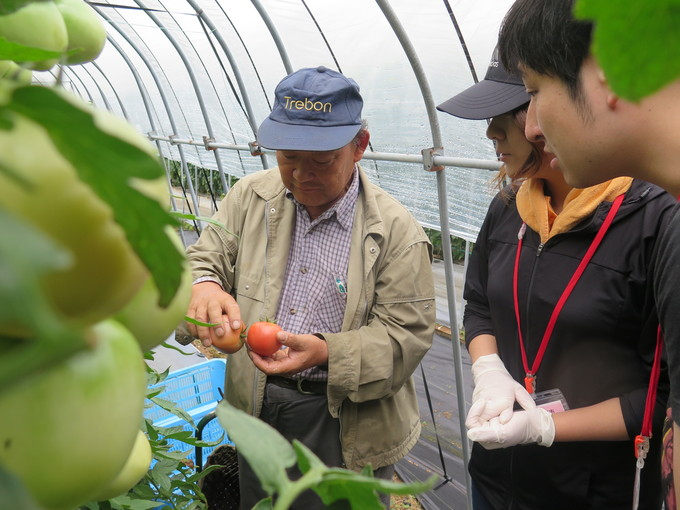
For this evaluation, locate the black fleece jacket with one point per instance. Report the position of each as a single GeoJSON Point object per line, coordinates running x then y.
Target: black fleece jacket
{"type": "Point", "coordinates": [602, 347]}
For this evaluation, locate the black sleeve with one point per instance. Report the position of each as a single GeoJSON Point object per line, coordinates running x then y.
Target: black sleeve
{"type": "Point", "coordinates": [667, 292]}
{"type": "Point", "coordinates": [477, 315]}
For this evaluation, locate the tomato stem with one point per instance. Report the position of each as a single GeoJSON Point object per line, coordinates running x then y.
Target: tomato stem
{"type": "Point", "coordinates": [307, 481]}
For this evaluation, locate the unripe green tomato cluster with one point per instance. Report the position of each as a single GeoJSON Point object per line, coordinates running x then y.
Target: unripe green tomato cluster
{"type": "Point", "coordinates": [71, 433]}
{"type": "Point", "coordinates": [69, 27]}
{"type": "Point", "coordinates": [67, 432]}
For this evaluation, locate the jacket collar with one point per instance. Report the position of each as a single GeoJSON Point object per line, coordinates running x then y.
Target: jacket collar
{"type": "Point", "coordinates": [535, 210]}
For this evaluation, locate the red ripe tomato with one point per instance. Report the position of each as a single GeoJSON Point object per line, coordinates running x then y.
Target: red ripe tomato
{"type": "Point", "coordinates": [230, 342]}
{"type": "Point", "coordinates": [261, 338]}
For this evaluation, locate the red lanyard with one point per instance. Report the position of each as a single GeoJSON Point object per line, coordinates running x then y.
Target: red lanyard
{"type": "Point", "coordinates": [530, 379]}
{"type": "Point", "coordinates": [641, 442]}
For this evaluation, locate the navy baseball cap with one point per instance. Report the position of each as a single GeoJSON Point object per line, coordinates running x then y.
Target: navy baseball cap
{"type": "Point", "coordinates": [315, 109]}
{"type": "Point", "coordinates": [498, 93]}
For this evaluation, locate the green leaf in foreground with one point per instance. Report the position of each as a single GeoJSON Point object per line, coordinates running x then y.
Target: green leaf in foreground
{"type": "Point", "coordinates": [267, 452]}
{"type": "Point", "coordinates": [20, 53]}
{"type": "Point", "coordinates": [25, 255]}
{"type": "Point", "coordinates": [107, 164]}
{"type": "Point", "coordinates": [636, 42]}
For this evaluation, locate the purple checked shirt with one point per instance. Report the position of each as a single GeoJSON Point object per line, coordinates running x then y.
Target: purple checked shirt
{"type": "Point", "coordinates": [315, 290]}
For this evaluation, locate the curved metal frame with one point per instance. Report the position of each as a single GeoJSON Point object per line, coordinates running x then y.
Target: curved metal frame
{"type": "Point", "coordinates": [168, 110]}
{"type": "Point", "coordinates": [444, 224]}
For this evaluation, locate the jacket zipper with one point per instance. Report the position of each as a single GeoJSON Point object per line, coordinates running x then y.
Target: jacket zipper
{"type": "Point", "coordinates": [530, 290]}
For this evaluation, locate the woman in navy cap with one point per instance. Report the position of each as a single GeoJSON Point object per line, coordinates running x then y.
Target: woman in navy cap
{"type": "Point", "coordinates": [560, 325]}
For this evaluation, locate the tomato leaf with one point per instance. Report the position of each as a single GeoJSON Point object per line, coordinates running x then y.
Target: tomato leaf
{"type": "Point", "coordinates": [20, 53]}
{"type": "Point", "coordinates": [637, 43]}
{"type": "Point", "coordinates": [361, 489]}
{"type": "Point", "coordinates": [267, 452]}
{"type": "Point", "coordinates": [186, 216]}
{"type": "Point", "coordinates": [265, 504]}
{"type": "Point", "coordinates": [107, 163]}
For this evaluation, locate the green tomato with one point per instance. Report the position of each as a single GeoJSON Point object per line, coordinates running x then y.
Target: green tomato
{"type": "Point", "coordinates": [149, 323]}
{"type": "Point", "coordinates": [133, 471]}
{"type": "Point", "coordinates": [106, 272]}
{"type": "Point", "coordinates": [38, 25]}
{"type": "Point", "coordinates": [67, 432]}
{"type": "Point", "coordinates": [12, 71]}
{"type": "Point", "coordinates": [86, 32]}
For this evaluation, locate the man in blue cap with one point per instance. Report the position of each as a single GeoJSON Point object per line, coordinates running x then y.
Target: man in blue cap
{"type": "Point", "coordinates": [343, 268]}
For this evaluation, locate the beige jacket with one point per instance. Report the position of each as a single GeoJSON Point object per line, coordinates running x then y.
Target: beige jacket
{"type": "Point", "coordinates": [389, 317]}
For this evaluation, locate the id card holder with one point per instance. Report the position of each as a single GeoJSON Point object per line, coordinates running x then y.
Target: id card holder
{"type": "Point", "coordinates": [551, 400]}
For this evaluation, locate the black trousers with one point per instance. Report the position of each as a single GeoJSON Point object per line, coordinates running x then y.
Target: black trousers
{"type": "Point", "coordinates": [305, 418]}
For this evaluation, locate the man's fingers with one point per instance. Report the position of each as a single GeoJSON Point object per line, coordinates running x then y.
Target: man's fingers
{"type": "Point", "coordinates": [233, 312]}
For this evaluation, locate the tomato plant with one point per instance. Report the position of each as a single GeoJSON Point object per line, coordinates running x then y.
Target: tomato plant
{"type": "Point", "coordinates": [67, 431]}
{"type": "Point", "coordinates": [37, 25]}
{"type": "Point", "coordinates": [43, 188]}
{"type": "Point", "coordinates": [261, 338]}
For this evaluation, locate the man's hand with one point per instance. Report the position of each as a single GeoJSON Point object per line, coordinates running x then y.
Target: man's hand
{"type": "Point", "coordinates": [495, 392]}
{"type": "Point", "coordinates": [531, 426]}
{"type": "Point", "coordinates": [210, 304]}
{"type": "Point", "coordinates": [300, 352]}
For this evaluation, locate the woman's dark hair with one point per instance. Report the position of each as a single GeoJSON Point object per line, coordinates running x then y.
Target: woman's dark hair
{"type": "Point", "coordinates": [544, 36]}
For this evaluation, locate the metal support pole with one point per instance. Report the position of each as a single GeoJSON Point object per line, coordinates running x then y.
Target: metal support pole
{"type": "Point", "coordinates": [399, 31]}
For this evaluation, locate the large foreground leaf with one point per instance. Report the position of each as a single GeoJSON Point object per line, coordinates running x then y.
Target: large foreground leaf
{"type": "Point", "coordinates": [637, 43]}
{"type": "Point", "coordinates": [107, 164]}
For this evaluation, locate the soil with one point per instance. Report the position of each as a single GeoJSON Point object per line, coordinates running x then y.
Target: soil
{"type": "Point", "coordinates": [398, 502]}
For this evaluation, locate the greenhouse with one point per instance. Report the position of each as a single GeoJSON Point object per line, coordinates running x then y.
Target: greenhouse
{"type": "Point", "coordinates": [195, 79]}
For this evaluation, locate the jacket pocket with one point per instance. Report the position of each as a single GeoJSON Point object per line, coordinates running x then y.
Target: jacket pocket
{"type": "Point", "coordinates": [249, 291]}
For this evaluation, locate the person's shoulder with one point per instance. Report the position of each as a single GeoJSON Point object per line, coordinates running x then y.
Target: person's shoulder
{"type": "Point", "coordinates": [646, 192]}
{"type": "Point", "coordinates": [265, 183]}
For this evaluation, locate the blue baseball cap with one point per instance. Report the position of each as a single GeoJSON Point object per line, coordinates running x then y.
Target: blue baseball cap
{"type": "Point", "coordinates": [315, 109]}
{"type": "Point", "coordinates": [498, 93]}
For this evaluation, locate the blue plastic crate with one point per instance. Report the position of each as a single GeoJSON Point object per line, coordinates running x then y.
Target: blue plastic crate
{"type": "Point", "coordinates": [212, 432]}
{"type": "Point", "coordinates": [190, 388]}
{"type": "Point", "coordinates": [197, 390]}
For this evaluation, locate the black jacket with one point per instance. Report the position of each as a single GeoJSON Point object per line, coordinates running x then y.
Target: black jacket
{"type": "Point", "coordinates": [602, 347]}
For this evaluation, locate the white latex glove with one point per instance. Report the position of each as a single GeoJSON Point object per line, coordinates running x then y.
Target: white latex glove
{"type": "Point", "coordinates": [531, 426]}
{"type": "Point", "coordinates": [495, 392]}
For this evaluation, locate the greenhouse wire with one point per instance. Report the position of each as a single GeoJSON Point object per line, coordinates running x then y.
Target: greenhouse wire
{"type": "Point", "coordinates": [160, 88]}
{"type": "Point", "coordinates": [113, 89]}
{"type": "Point", "coordinates": [194, 83]}
{"type": "Point", "coordinates": [461, 39]}
{"type": "Point", "coordinates": [171, 119]}
{"type": "Point", "coordinates": [443, 211]}
{"type": "Point", "coordinates": [245, 49]}
{"type": "Point", "coordinates": [206, 174]}
{"type": "Point", "coordinates": [245, 103]}
{"type": "Point", "coordinates": [337, 64]}
{"type": "Point", "coordinates": [275, 35]}
{"type": "Point", "coordinates": [206, 32]}
{"type": "Point", "coordinates": [96, 84]}
{"type": "Point", "coordinates": [147, 106]}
